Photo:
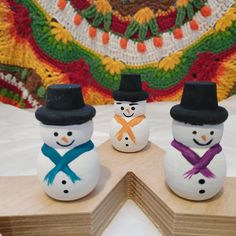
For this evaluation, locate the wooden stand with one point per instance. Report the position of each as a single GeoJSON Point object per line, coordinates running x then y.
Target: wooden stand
{"type": "Point", "coordinates": [26, 210]}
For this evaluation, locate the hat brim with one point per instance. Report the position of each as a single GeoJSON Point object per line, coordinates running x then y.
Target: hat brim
{"type": "Point", "coordinates": [65, 117]}
{"type": "Point", "coordinates": [199, 117]}
{"type": "Point", "coordinates": [130, 96]}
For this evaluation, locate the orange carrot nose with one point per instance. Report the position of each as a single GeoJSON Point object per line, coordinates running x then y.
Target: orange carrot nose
{"type": "Point", "coordinates": [128, 110]}
{"type": "Point", "coordinates": [204, 137]}
{"type": "Point", "coordinates": [65, 139]}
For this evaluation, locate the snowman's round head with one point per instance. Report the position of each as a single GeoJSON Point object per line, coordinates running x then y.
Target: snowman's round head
{"type": "Point", "coordinates": [130, 109]}
{"type": "Point", "coordinates": [66, 137]}
{"type": "Point", "coordinates": [197, 136]}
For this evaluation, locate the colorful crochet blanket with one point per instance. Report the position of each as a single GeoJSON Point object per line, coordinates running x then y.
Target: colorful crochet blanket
{"type": "Point", "coordinates": [91, 42]}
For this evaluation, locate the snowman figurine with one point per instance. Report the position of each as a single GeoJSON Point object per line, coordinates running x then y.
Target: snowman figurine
{"type": "Point", "coordinates": [195, 165]}
{"type": "Point", "coordinates": [129, 128]}
{"type": "Point", "coordinates": [68, 164]}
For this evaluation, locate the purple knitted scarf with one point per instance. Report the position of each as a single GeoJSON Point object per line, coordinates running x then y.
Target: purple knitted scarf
{"type": "Point", "coordinates": [199, 163]}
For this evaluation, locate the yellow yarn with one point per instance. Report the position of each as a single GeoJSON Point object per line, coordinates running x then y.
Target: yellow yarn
{"type": "Point", "coordinates": [169, 63]}
{"type": "Point", "coordinates": [182, 3]}
{"type": "Point", "coordinates": [103, 6]}
{"type": "Point", "coordinates": [92, 96]}
{"type": "Point", "coordinates": [113, 66]}
{"type": "Point", "coordinates": [227, 80]}
{"type": "Point", "coordinates": [61, 34]}
{"type": "Point", "coordinates": [227, 20]}
{"type": "Point", "coordinates": [11, 53]}
{"type": "Point", "coordinates": [144, 15]}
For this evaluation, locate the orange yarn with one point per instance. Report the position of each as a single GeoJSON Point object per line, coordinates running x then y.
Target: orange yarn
{"type": "Point", "coordinates": [105, 38]}
{"type": "Point", "coordinates": [61, 4]}
{"type": "Point", "coordinates": [194, 25]}
{"type": "Point", "coordinates": [92, 32]}
{"type": "Point", "coordinates": [178, 33]}
{"type": "Point", "coordinates": [158, 42]}
{"type": "Point", "coordinates": [77, 19]}
{"type": "Point", "coordinates": [206, 11]}
{"type": "Point", "coordinates": [141, 47]}
{"type": "Point", "coordinates": [123, 43]}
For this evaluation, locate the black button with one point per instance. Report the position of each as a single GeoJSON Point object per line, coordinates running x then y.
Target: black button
{"type": "Point", "coordinates": [66, 191]}
{"type": "Point", "coordinates": [63, 182]}
{"type": "Point", "coordinates": [201, 181]}
{"type": "Point", "coordinates": [126, 145]}
{"type": "Point", "coordinates": [202, 191]}
{"type": "Point", "coordinates": [126, 138]}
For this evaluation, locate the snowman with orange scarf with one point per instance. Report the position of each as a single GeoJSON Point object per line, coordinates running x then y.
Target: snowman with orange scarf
{"type": "Point", "coordinates": [129, 128]}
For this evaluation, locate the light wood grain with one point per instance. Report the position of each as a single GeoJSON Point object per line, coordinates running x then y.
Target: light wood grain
{"type": "Point", "coordinates": [26, 210]}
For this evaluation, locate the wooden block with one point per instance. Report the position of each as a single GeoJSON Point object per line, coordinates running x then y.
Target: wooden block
{"type": "Point", "coordinates": [26, 210]}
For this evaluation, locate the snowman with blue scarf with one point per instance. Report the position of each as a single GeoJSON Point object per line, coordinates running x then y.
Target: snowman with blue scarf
{"type": "Point", "coordinates": [195, 165]}
{"type": "Point", "coordinates": [68, 164]}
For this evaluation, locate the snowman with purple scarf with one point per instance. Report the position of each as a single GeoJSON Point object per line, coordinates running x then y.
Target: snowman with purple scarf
{"type": "Point", "coordinates": [195, 165]}
{"type": "Point", "coordinates": [68, 164]}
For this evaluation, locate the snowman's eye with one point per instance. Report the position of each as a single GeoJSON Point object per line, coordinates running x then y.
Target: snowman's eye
{"type": "Point", "coordinates": [194, 132]}
{"type": "Point", "coordinates": [55, 134]}
{"type": "Point", "coordinates": [69, 133]}
{"type": "Point", "coordinates": [122, 108]}
{"type": "Point", "coordinates": [133, 108]}
{"type": "Point", "coordinates": [212, 132]}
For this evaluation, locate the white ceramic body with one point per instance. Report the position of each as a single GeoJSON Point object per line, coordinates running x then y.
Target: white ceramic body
{"type": "Point", "coordinates": [128, 111]}
{"type": "Point", "coordinates": [86, 166]}
{"type": "Point", "coordinates": [176, 166]}
{"type": "Point", "coordinates": [141, 132]}
{"type": "Point", "coordinates": [198, 187]}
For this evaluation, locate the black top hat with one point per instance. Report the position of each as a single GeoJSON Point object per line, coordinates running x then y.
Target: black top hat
{"type": "Point", "coordinates": [65, 106]}
{"type": "Point", "coordinates": [199, 105]}
{"type": "Point", "coordinates": [130, 89]}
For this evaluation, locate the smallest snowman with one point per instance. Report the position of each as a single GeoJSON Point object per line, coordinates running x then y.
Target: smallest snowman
{"type": "Point", "coordinates": [129, 128]}
{"type": "Point", "coordinates": [68, 164]}
{"type": "Point", "coordinates": [195, 165]}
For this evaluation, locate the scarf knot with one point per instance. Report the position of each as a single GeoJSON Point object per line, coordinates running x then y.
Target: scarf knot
{"type": "Point", "coordinates": [127, 126]}
{"type": "Point", "coordinates": [62, 162]}
{"type": "Point", "coordinates": [199, 163]}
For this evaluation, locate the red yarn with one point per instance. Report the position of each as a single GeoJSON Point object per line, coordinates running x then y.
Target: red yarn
{"type": "Point", "coordinates": [203, 73]}
{"type": "Point", "coordinates": [118, 26]}
{"type": "Point", "coordinates": [4, 84]}
{"type": "Point", "coordinates": [206, 65]}
{"type": "Point", "coordinates": [80, 4]}
{"type": "Point", "coordinates": [22, 19]}
{"type": "Point", "coordinates": [84, 77]}
{"type": "Point", "coordinates": [166, 22]}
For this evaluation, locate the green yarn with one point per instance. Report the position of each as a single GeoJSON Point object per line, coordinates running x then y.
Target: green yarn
{"type": "Point", "coordinates": [107, 21]}
{"type": "Point", "coordinates": [198, 4]}
{"type": "Point", "coordinates": [12, 96]}
{"type": "Point", "coordinates": [143, 29]}
{"type": "Point", "coordinates": [98, 19]}
{"type": "Point", "coordinates": [24, 74]}
{"type": "Point", "coordinates": [89, 12]}
{"type": "Point", "coordinates": [156, 77]}
{"type": "Point", "coordinates": [181, 13]}
{"type": "Point", "coordinates": [153, 27]}
{"type": "Point", "coordinates": [41, 92]}
{"type": "Point", "coordinates": [190, 11]}
{"type": "Point", "coordinates": [132, 29]}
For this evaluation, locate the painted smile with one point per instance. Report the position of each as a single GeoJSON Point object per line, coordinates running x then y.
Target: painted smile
{"type": "Point", "coordinates": [202, 144]}
{"type": "Point", "coordinates": [127, 116]}
{"type": "Point", "coordinates": [65, 145]}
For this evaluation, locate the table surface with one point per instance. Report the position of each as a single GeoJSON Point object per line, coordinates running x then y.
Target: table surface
{"type": "Point", "coordinates": [20, 143]}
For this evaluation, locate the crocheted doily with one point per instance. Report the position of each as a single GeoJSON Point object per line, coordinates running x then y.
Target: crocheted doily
{"type": "Point", "coordinates": [91, 42]}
